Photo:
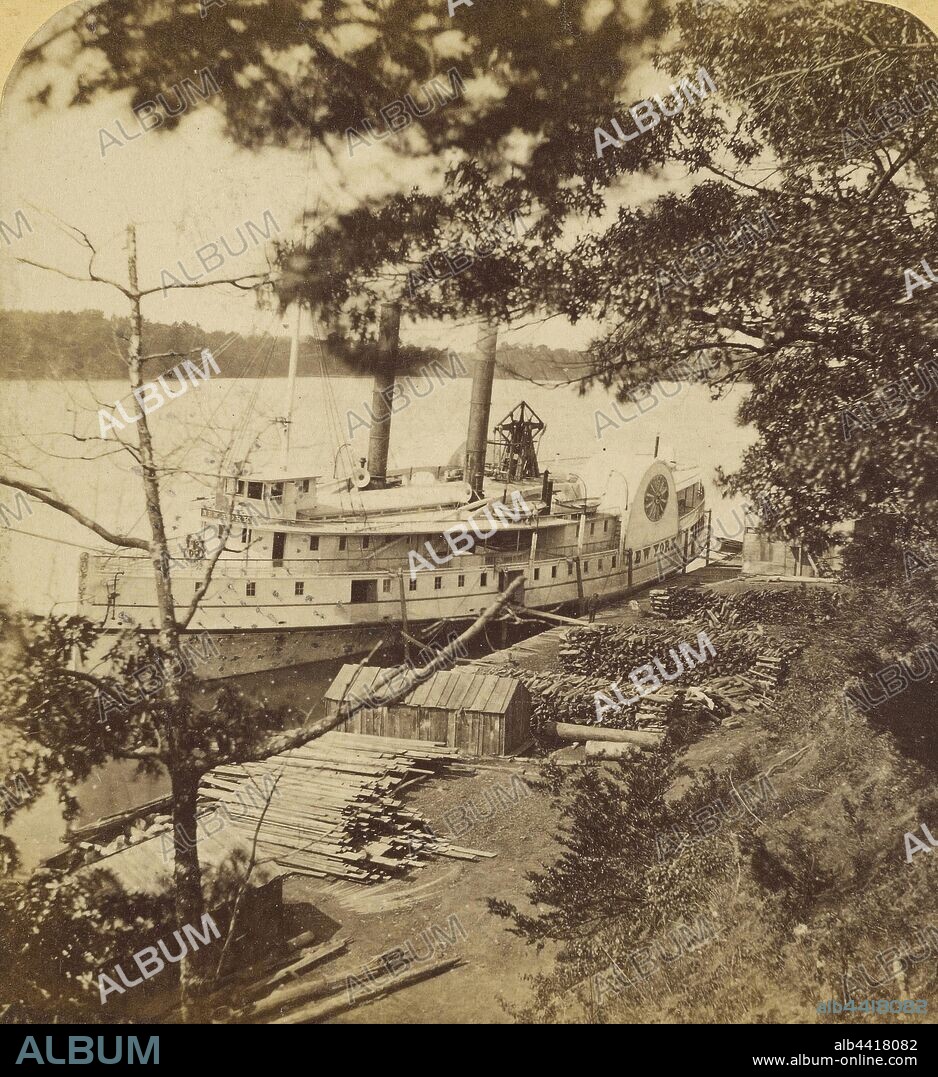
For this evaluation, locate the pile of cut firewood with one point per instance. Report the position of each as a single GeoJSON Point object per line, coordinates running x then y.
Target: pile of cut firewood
{"type": "Point", "coordinates": [805, 604]}
{"type": "Point", "coordinates": [675, 602]}
{"type": "Point", "coordinates": [746, 670]}
{"type": "Point", "coordinates": [612, 651]}
{"type": "Point", "coordinates": [772, 665]}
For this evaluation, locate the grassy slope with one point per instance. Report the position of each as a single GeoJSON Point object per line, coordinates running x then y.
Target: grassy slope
{"type": "Point", "coordinates": [803, 886]}
{"type": "Point", "coordinates": [821, 884]}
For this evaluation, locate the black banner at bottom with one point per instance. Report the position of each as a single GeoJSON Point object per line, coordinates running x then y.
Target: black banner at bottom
{"type": "Point", "coordinates": [743, 1048]}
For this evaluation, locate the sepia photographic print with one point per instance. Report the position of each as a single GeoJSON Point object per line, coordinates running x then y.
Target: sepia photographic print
{"type": "Point", "coordinates": [468, 523]}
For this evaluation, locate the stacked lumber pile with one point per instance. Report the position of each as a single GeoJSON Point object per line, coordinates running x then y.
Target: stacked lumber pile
{"type": "Point", "coordinates": [747, 669]}
{"type": "Point", "coordinates": [777, 605]}
{"type": "Point", "coordinates": [675, 602]}
{"type": "Point", "coordinates": [333, 807]}
{"type": "Point", "coordinates": [772, 665]}
{"type": "Point", "coordinates": [612, 652]}
{"type": "Point", "coordinates": [791, 605]}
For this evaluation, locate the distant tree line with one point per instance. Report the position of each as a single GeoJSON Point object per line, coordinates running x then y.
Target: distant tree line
{"type": "Point", "coordinates": [87, 344]}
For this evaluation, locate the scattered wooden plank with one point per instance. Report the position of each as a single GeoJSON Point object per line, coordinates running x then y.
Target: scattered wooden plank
{"type": "Point", "coordinates": [332, 1007]}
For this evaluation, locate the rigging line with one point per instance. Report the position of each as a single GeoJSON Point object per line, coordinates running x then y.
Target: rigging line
{"type": "Point", "coordinates": [251, 403]}
{"type": "Point", "coordinates": [241, 377]}
{"type": "Point", "coordinates": [212, 418]}
{"type": "Point", "coordinates": [332, 407]}
{"type": "Point", "coordinates": [52, 538]}
{"type": "Point", "coordinates": [333, 418]}
{"type": "Point", "coordinates": [231, 389]}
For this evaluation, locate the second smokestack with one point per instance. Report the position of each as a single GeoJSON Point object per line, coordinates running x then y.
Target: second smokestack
{"type": "Point", "coordinates": [380, 439]}
{"type": "Point", "coordinates": [483, 375]}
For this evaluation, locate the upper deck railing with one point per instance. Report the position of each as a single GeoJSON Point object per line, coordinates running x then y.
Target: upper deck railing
{"type": "Point", "coordinates": [264, 567]}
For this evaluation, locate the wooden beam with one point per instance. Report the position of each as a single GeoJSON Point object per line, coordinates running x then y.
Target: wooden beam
{"type": "Point", "coordinates": [404, 624]}
{"type": "Point", "coordinates": [541, 615]}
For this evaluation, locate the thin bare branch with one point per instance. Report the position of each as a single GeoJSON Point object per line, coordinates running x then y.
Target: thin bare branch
{"type": "Point", "coordinates": [54, 502]}
{"type": "Point", "coordinates": [206, 579]}
{"type": "Point", "coordinates": [263, 278]}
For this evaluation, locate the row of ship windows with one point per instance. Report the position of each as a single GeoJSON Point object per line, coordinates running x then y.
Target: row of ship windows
{"type": "Point", "coordinates": [366, 539]}
{"type": "Point", "coordinates": [247, 536]}
{"type": "Point", "coordinates": [640, 555]}
{"type": "Point", "coordinates": [299, 587]}
{"type": "Point", "coordinates": [256, 490]}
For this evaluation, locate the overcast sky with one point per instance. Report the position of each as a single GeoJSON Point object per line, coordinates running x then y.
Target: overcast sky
{"type": "Point", "coordinates": [185, 189]}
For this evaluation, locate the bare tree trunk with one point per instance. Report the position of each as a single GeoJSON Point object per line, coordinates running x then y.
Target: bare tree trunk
{"type": "Point", "coordinates": [159, 549]}
{"type": "Point", "coordinates": [187, 874]}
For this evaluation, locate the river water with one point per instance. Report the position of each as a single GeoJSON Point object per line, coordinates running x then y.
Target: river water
{"type": "Point", "coordinates": [42, 422]}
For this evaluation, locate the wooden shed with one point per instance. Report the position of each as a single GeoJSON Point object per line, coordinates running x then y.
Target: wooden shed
{"type": "Point", "coordinates": [477, 712]}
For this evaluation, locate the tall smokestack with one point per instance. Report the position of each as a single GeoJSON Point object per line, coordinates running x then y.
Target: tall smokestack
{"type": "Point", "coordinates": [482, 376]}
{"type": "Point", "coordinates": [388, 344]}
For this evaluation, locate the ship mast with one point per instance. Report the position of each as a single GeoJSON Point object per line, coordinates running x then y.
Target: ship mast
{"type": "Point", "coordinates": [483, 375]}
{"type": "Point", "coordinates": [291, 380]}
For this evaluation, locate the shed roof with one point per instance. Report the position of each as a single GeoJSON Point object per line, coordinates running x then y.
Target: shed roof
{"type": "Point", "coordinates": [455, 689]}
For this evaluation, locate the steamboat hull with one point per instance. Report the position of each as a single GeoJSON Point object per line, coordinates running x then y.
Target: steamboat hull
{"type": "Point", "coordinates": [231, 652]}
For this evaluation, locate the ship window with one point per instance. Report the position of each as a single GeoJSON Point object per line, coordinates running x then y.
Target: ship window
{"type": "Point", "coordinates": [240, 486]}
{"type": "Point", "coordinates": [386, 586]}
{"type": "Point", "coordinates": [342, 542]}
{"type": "Point", "coordinates": [586, 566]}
{"type": "Point", "coordinates": [569, 568]}
{"type": "Point", "coordinates": [245, 534]}
{"type": "Point", "coordinates": [366, 542]}
{"type": "Point", "coordinates": [638, 557]}
{"type": "Point", "coordinates": [250, 589]}
{"type": "Point", "coordinates": [600, 564]}
{"type": "Point", "coordinates": [303, 486]}
{"type": "Point", "coordinates": [364, 590]}
{"type": "Point", "coordinates": [276, 489]}
{"type": "Point", "coordinates": [461, 581]}
{"type": "Point", "coordinates": [537, 573]}
{"type": "Point", "coordinates": [437, 583]}
{"type": "Point", "coordinates": [413, 585]}
{"type": "Point", "coordinates": [298, 587]}
{"type": "Point", "coordinates": [256, 490]}
{"type": "Point", "coordinates": [314, 542]}
{"type": "Point", "coordinates": [553, 572]}
{"type": "Point", "coordinates": [592, 526]}
{"type": "Point", "coordinates": [605, 526]}
{"type": "Point", "coordinates": [483, 579]}
{"type": "Point", "coordinates": [613, 560]}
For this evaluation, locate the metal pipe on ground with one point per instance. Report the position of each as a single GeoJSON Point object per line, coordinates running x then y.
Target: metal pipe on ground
{"type": "Point", "coordinates": [569, 731]}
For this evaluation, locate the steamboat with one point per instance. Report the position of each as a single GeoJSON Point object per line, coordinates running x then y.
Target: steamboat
{"type": "Point", "coordinates": [314, 570]}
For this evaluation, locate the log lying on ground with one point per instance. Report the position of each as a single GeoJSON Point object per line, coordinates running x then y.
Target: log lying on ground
{"type": "Point", "coordinates": [340, 1003]}
{"type": "Point", "coordinates": [564, 731]}
{"type": "Point", "coordinates": [312, 956]}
